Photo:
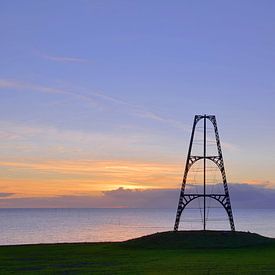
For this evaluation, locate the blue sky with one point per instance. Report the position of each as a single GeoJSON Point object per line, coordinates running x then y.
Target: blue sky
{"type": "Point", "coordinates": [120, 81]}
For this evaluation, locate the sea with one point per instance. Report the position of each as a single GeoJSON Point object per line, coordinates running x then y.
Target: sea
{"type": "Point", "coordinates": [63, 225]}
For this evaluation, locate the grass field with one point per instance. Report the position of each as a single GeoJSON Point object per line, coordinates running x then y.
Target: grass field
{"type": "Point", "coordinates": [162, 253]}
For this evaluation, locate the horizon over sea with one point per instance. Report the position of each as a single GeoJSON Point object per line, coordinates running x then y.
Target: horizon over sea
{"type": "Point", "coordinates": [68, 225]}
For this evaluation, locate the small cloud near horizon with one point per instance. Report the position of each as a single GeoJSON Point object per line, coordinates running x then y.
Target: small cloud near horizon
{"type": "Point", "coordinates": [4, 195]}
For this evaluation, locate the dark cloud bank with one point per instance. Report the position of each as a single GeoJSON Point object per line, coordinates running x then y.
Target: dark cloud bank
{"type": "Point", "coordinates": [242, 196]}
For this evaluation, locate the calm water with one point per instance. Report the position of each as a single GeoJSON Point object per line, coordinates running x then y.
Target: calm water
{"type": "Point", "coordinates": [21, 226]}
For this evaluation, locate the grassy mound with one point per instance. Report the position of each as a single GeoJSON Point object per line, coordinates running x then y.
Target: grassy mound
{"type": "Point", "coordinates": [199, 239]}
{"type": "Point", "coordinates": [168, 253]}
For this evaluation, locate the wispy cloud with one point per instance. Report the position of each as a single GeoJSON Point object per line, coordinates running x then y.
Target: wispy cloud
{"type": "Point", "coordinates": [99, 100]}
{"type": "Point", "coordinates": [4, 195]}
{"type": "Point", "coordinates": [66, 59]}
{"type": "Point", "coordinates": [120, 168]}
{"type": "Point", "coordinates": [92, 97]}
{"type": "Point", "coordinates": [152, 116]}
{"type": "Point", "coordinates": [60, 58]}
{"type": "Point", "coordinates": [17, 85]}
{"type": "Point", "coordinates": [256, 182]}
{"type": "Point", "coordinates": [25, 140]}
{"type": "Point", "coordinates": [54, 177]}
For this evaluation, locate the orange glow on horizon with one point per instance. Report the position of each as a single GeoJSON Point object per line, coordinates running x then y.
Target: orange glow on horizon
{"type": "Point", "coordinates": [53, 178]}
{"type": "Point", "coordinates": [85, 177]}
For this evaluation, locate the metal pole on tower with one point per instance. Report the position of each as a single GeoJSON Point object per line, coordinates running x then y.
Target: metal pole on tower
{"type": "Point", "coordinates": [204, 170]}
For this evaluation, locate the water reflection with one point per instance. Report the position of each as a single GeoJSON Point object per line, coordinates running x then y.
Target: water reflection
{"type": "Point", "coordinates": [20, 226]}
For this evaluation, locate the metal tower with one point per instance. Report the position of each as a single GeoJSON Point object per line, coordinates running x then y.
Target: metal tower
{"type": "Point", "coordinates": [222, 198]}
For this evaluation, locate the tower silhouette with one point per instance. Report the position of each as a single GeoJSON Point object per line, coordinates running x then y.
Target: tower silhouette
{"type": "Point", "coordinates": [222, 198]}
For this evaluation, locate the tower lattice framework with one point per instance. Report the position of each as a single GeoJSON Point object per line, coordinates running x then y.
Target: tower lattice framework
{"type": "Point", "coordinates": [222, 198]}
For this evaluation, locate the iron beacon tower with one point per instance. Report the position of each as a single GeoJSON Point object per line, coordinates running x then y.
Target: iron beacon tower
{"type": "Point", "coordinates": [221, 197]}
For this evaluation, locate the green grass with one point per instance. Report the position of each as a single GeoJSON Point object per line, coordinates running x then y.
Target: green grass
{"type": "Point", "coordinates": [162, 253]}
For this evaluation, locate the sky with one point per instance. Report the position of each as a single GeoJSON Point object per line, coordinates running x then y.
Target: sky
{"type": "Point", "coordinates": [98, 97]}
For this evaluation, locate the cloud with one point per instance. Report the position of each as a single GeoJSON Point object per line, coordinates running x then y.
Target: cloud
{"type": "Point", "coordinates": [99, 100]}
{"type": "Point", "coordinates": [242, 196]}
{"type": "Point", "coordinates": [260, 182]}
{"type": "Point", "coordinates": [41, 143]}
{"type": "Point", "coordinates": [63, 59]}
{"type": "Point", "coordinates": [93, 98]}
{"type": "Point", "coordinates": [152, 116]}
{"type": "Point", "coordinates": [4, 195]}
{"type": "Point", "coordinates": [252, 196]}
{"type": "Point", "coordinates": [70, 177]}
{"type": "Point", "coordinates": [17, 85]}
{"type": "Point", "coordinates": [119, 198]}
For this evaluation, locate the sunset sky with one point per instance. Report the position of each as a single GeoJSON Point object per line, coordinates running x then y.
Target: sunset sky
{"type": "Point", "coordinates": [99, 96]}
